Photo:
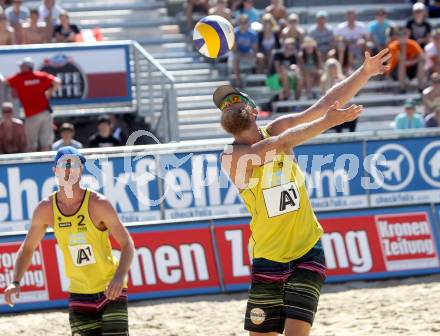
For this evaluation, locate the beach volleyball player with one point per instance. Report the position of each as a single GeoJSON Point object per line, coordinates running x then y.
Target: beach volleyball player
{"type": "Point", "coordinates": [81, 220]}
{"type": "Point", "coordinates": [288, 265]}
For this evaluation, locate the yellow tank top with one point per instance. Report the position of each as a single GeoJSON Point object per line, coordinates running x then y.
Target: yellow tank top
{"type": "Point", "coordinates": [88, 258]}
{"type": "Point", "coordinates": [283, 226]}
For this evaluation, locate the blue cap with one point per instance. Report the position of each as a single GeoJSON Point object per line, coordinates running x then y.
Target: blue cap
{"type": "Point", "coordinates": [68, 151]}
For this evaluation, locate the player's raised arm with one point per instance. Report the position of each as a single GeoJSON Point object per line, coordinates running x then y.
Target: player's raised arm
{"type": "Point", "coordinates": [241, 160]}
{"type": "Point", "coordinates": [342, 92]}
{"type": "Point", "coordinates": [41, 218]}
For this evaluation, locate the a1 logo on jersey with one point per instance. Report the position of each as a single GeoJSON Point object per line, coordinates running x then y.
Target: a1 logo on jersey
{"type": "Point", "coordinates": [82, 255]}
{"type": "Point", "coordinates": [281, 199]}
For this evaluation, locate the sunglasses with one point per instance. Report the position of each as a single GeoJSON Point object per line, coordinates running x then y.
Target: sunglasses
{"type": "Point", "coordinates": [69, 165]}
{"type": "Point", "coordinates": [232, 99]}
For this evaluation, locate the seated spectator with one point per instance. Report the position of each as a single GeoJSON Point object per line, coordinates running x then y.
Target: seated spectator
{"type": "Point", "coordinates": [221, 9]}
{"type": "Point", "coordinates": [245, 49]}
{"type": "Point", "coordinates": [431, 95]}
{"type": "Point", "coordinates": [433, 119]}
{"type": "Point", "coordinates": [67, 133]}
{"type": "Point", "coordinates": [49, 12]}
{"type": "Point", "coordinates": [342, 53]}
{"type": "Point", "coordinates": [7, 36]}
{"type": "Point", "coordinates": [293, 30]}
{"type": "Point", "coordinates": [310, 64]}
{"type": "Point", "coordinates": [284, 76]}
{"type": "Point", "coordinates": [331, 75]}
{"type": "Point", "coordinates": [432, 50]}
{"type": "Point", "coordinates": [12, 134]}
{"type": "Point", "coordinates": [17, 15]}
{"type": "Point", "coordinates": [418, 25]}
{"type": "Point", "coordinates": [407, 60]}
{"type": "Point", "coordinates": [323, 34]}
{"type": "Point", "coordinates": [354, 34]}
{"type": "Point", "coordinates": [119, 128]}
{"type": "Point", "coordinates": [277, 10]}
{"type": "Point", "coordinates": [35, 32]}
{"type": "Point", "coordinates": [378, 29]}
{"type": "Point", "coordinates": [104, 136]}
{"type": "Point", "coordinates": [268, 41]}
{"type": "Point", "coordinates": [409, 119]}
{"type": "Point", "coordinates": [65, 31]}
{"type": "Point", "coordinates": [195, 6]}
{"type": "Point", "coordinates": [247, 8]}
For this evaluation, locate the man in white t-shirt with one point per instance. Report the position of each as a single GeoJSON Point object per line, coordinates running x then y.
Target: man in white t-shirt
{"type": "Point", "coordinates": [354, 34]}
{"type": "Point", "coordinates": [49, 12]}
{"type": "Point", "coordinates": [432, 51]}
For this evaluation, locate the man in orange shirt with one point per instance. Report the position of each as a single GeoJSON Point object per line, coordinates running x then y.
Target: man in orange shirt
{"type": "Point", "coordinates": [407, 60]}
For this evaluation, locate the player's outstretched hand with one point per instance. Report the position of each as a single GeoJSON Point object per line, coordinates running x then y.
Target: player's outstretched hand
{"type": "Point", "coordinates": [338, 116]}
{"type": "Point", "coordinates": [9, 291]}
{"type": "Point", "coordinates": [377, 64]}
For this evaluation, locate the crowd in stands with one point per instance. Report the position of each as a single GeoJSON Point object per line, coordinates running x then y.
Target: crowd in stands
{"type": "Point", "coordinates": [47, 23]}
{"type": "Point", "coordinates": [300, 63]}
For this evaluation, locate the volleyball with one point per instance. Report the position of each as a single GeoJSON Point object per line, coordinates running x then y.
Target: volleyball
{"type": "Point", "coordinates": [213, 36]}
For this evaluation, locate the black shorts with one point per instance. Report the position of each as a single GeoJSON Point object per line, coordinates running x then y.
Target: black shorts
{"type": "Point", "coordinates": [411, 72]}
{"type": "Point", "coordinates": [94, 314]}
{"type": "Point", "coordinates": [284, 290]}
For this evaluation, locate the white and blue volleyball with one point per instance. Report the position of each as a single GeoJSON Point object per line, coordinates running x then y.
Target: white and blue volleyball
{"type": "Point", "coordinates": [213, 36]}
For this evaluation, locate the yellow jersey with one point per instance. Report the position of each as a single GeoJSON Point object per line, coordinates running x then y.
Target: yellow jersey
{"type": "Point", "coordinates": [87, 251]}
{"type": "Point", "coordinates": [283, 226]}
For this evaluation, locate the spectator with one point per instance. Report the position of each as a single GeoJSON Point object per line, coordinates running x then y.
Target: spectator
{"type": "Point", "coordinates": [65, 31]}
{"type": "Point", "coordinates": [378, 29]}
{"type": "Point", "coordinates": [247, 8]}
{"type": "Point", "coordinates": [331, 75]}
{"type": "Point", "coordinates": [342, 53]}
{"type": "Point", "coordinates": [268, 41]}
{"type": "Point", "coordinates": [221, 9]}
{"type": "Point", "coordinates": [245, 49]}
{"type": "Point", "coordinates": [119, 128]}
{"type": "Point", "coordinates": [418, 26]}
{"type": "Point", "coordinates": [6, 32]}
{"type": "Point", "coordinates": [35, 32]}
{"type": "Point", "coordinates": [278, 11]}
{"type": "Point", "coordinates": [407, 60]}
{"type": "Point", "coordinates": [104, 136]}
{"type": "Point", "coordinates": [67, 133]}
{"type": "Point", "coordinates": [409, 119]}
{"type": "Point", "coordinates": [354, 34]}
{"type": "Point", "coordinates": [434, 9]}
{"type": "Point", "coordinates": [193, 7]}
{"type": "Point", "coordinates": [323, 34]}
{"type": "Point", "coordinates": [293, 30]}
{"type": "Point", "coordinates": [17, 15]}
{"type": "Point", "coordinates": [49, 12]}
{"type": "Point", "coordinates": [311, 64]}
{"type": "Point", "coordinates": [34, 89]}
{"type": "Point", "coordinates": [431, 95]}
{"type": "Point", "coordinates": [284, 77]}
{"type": "Point", "coordinates": [12, 134]}
{"type": "Point", "coordinates": [433, 119]}
{"type": "Point", "coordinates": [432, 51]}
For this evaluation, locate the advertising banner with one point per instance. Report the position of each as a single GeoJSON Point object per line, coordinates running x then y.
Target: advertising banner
{"type": "Point", "coordinates": [363, 244]}
{"type": "Point", "coordinates": [97, 73]}
{"type": "Point", "coordinates": [129, 184]}
{"type": "Point", "coordinates": [169, 260]}
{"type": "Point", "coordinates": [410, 170]}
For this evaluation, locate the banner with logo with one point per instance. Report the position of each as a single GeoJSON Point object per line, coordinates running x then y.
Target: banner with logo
{"type": "Point", "coordinates": [154, 185]}
{"type": "Point", "coordinates": [98, 73]}
{"type": "Point", "coordinates": [170, 260]}
{"type": "Point", "coordinates": [199, 257]}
